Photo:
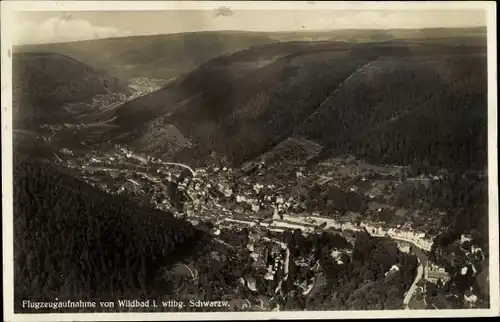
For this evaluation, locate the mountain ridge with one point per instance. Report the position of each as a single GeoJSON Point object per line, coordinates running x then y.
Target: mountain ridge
{"type": "Point", "coordinates": [261, 95]}
{"type": "Point", "coordinates": [45, 84]}
{"type": "Point", "coordinates": [423, 59]}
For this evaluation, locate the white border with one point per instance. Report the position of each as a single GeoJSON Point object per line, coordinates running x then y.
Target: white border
{"type": "Point", "coordinates": [7, 7]}
{"type": "Point", "coordinates": [241, 5]}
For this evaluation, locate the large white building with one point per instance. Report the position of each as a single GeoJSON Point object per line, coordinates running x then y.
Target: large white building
{"type": "Point", "coordinates": [433, 273]}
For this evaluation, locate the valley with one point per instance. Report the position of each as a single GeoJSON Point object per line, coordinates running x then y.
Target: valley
{"type": "Point", "coordinates": [334, 174]}
{"type": "Point", "coordinates": [265, 202]}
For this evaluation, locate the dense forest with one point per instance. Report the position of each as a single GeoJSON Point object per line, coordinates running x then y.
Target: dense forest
{"type": "Point", "coordinates": [404, 111]}
{"type": "Point", "coordinates": [397, 104]}
{"type": "Point", "coordinates": [332, 199]}
{"type": "Point", "coordinates": [71, 241]}
{"type": "Point", "coordinates": [463, 197]}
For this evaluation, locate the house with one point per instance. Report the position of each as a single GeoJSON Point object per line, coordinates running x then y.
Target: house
{"type": "Point", "coordinates": [228, 192]}
{"type": "Point", "coordinates": [470, 299]}
{"type": "Point", "coordinates": [240, 198]}
{"type": "Point", "coordinates": [337, 255]}
{"type": "Point", "coordinates": [433, 275]}
{"type": "Point", "coordinates": [435, 267]}
{"type": "Point", "coordinates": [299, 261]}
{"type": "Point", "coordinates": [251, 284]}
{"type": "Point", "coordinates": [464, 238]}
{"type": "Point", "coordinates": [348, 226]}
{"type": "Point", "coordinates": [477, 251]}
{"type": "Point", "coordinates": [375, 191]}
{"type": "Point", "coordinates": [404, 247]}
{"type": "Point", "coordinates": [393, 269]}
{"type": "Point", "coordinates": [257, 187]}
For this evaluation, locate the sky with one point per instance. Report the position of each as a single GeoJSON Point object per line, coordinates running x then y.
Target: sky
{"type": "Point", "coordinates": [34, 27]}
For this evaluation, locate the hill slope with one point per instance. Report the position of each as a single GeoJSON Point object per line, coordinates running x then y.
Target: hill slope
{"type": "Point", "coordinates": [51, 87]}
{"type": "Point", "coordinates": [224, 98]}
{"type": "Point", "coordinates": [155, 56]}
{"type": "Point", "coordinates": [72, 241]}
{"type": "Point", "coordinates": [358, 99]}
{"type": "Point", "coordinates": [394, 110]}
{"type": "Point", "coordinates": [354, 98]}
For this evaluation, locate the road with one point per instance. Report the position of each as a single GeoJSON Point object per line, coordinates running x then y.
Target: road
{"type": "Point", "coordinates": [323, 180]}
{"type": "Point", "coordinates": [118, 103]}
{"type": "Point", "coordinates": [180, 165]}
{"type": "Point", "coordinates": [162, 163]}
{"type": "Point", "coordinates": [413, 287]}
{"type": "Point", "coordinates": [422, 262]}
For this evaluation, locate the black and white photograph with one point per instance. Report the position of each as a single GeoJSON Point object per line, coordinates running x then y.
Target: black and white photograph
{"type": "Point", "coordinates": [183, 160]}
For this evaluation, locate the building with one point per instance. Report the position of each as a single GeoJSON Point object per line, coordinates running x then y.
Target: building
{"type": "Point", "coordinates": [434, 274]}
{"type": "Point", "coordinates": [470, 299]}
{"type": "Point", "coordinates": [465, 238]}
{"type": "Point", "coordinates": [393, 269]}
{"type": "Point", "coordinates": [404, 246]}
{"type": "Point", "coordinates": [477, 251]}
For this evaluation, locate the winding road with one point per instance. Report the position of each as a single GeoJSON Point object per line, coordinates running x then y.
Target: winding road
{"type": "Point", "coordinates": [180, 165]}
{"type": "Point", "coordinates": [413, 287]}
{"type": "Point", "coordinates": [422, 262]}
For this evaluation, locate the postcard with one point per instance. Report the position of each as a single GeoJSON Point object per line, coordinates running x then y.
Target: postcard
{"type": "Point", "coordinates": [200, 160]}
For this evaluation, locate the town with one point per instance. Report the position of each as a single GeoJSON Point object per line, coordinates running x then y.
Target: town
{"type": "Point", "coordinates": [231, 201]}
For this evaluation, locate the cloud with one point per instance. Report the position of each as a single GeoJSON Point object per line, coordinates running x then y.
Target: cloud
{"type": "Point", "coordinates": [223, 11]}
{"type": "Point", "coordinates": [61, 29]}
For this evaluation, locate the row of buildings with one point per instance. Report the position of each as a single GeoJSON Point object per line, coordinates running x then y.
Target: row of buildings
{"type": "Point", "coordinates": [421, 239]}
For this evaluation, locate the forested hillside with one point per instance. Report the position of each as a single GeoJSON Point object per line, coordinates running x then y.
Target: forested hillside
{"type": "Point", "coordinates": [398, 102]}
{"type": "Point", "coordinates": [49, 88]}
{"type": "Point", "coordinates": [71, 241]}
{"type": "Point", "coordinates": [418, 101]}
{"type": "Point", "coordinates": [425, 109]}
